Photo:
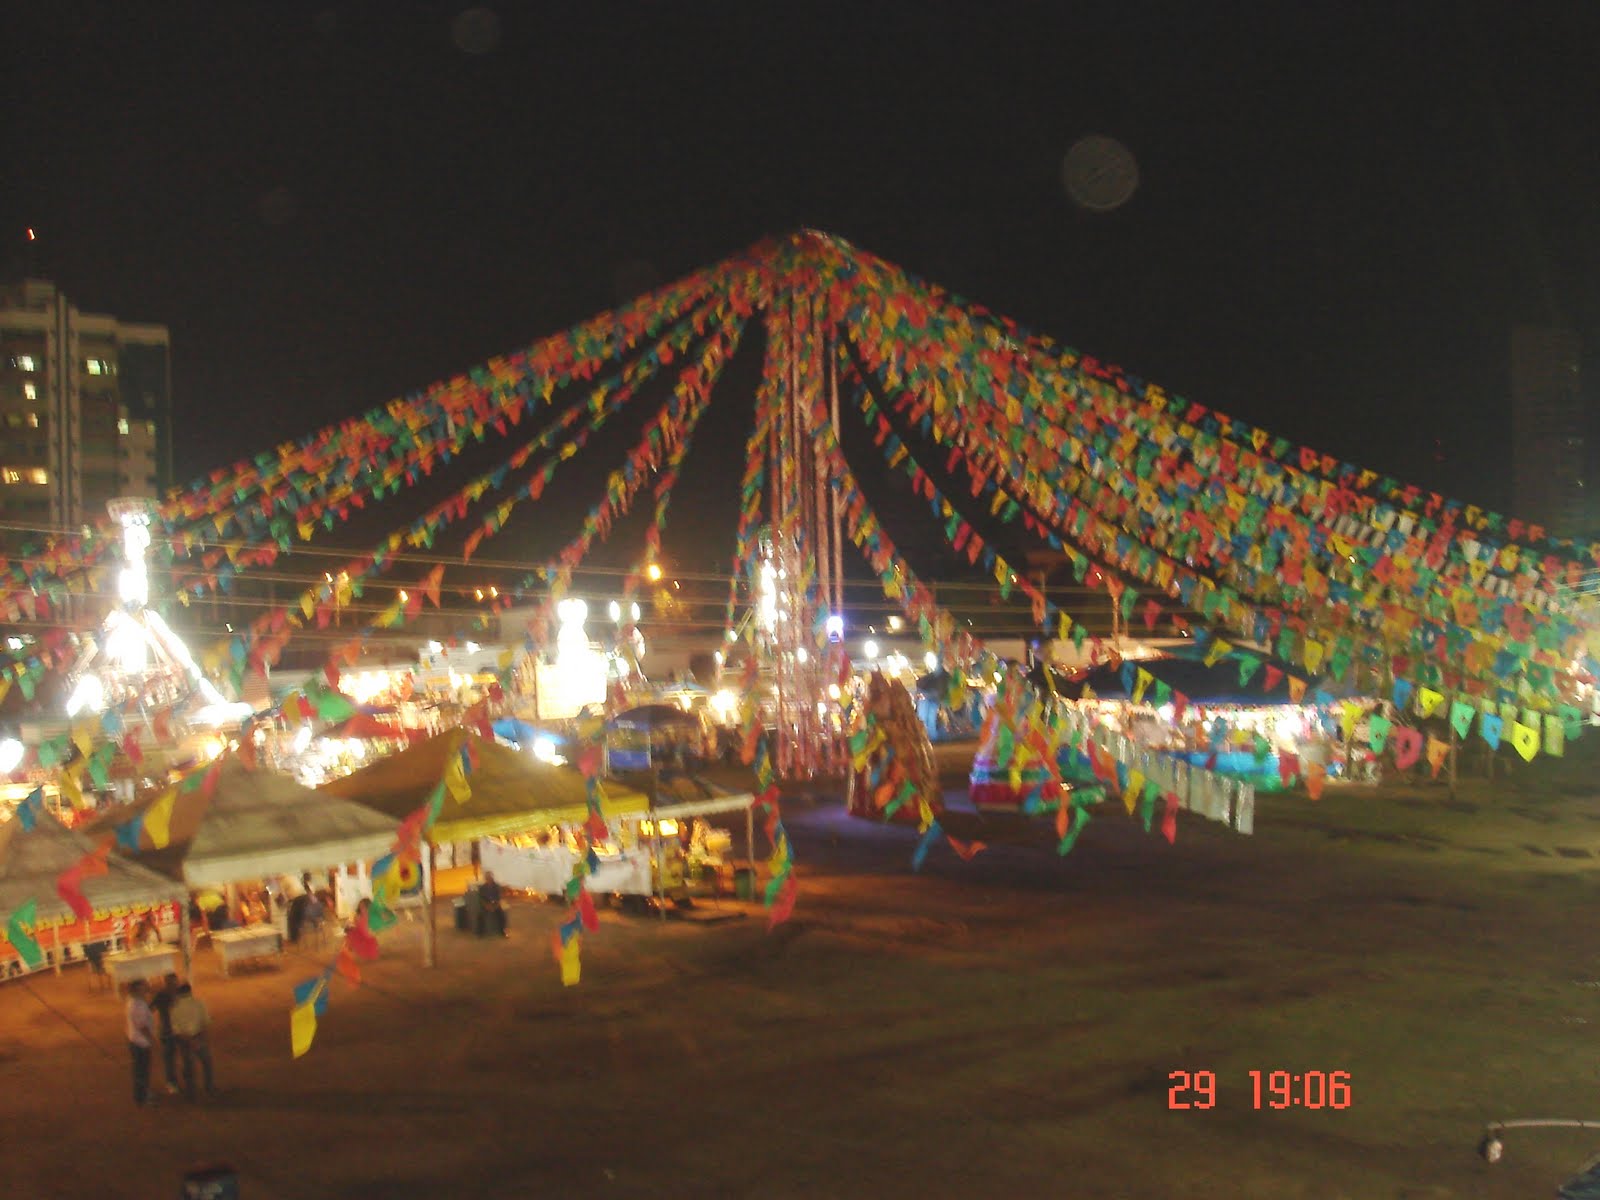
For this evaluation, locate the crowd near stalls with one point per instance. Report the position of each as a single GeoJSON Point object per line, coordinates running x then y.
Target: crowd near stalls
{"type": "Point", "coordinates": [1240, 724]}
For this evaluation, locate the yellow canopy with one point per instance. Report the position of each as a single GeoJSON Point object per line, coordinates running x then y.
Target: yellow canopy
{"type": "Point", "coordinates": [512, 792]}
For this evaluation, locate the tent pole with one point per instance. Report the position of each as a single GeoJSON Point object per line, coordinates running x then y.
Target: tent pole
{"type": "Point", "coordinates": [186, 940]}
{"type": "Point", "coordinates": [55, 938]}
{"type": "Point", "coordinates": [750, 835]}
{"type": "Point", "coordinates": [430, 932]}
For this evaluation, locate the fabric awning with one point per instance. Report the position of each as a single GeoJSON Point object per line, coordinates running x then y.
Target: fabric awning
{"type": "Point", "coordinates": [512, 792]}
{"type": "Point", "coordinates": [31, 860]}
{"type": "Point", "coordinates": [256, 823]}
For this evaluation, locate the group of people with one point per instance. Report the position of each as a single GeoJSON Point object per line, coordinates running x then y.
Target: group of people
{"type": "Point", "coordinates": [176, 1020]}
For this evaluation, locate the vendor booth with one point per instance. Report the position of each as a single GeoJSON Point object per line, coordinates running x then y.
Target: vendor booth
{"type": "Point", "coordinates": [650, 850]}
{"type": "Point", "coordinates": [251, 827]}
{"type": "Point", "coordinates": [513, 793]}
{"type": "Point", "coordinates": [31, 860]}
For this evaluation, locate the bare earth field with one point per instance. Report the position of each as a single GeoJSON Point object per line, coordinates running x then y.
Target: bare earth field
{"type": "Point", "coordinates": [1003, 1027]}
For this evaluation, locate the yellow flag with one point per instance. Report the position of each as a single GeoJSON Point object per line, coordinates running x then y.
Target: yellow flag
{"type": "Point", "coordinates": [1349, 714]}
{"type": "Point", "coordinates": [71, 790]}
{"type": "Point", "coordinates": [158, 818]}
{"type": "Point", "coordinates": [1427, 701]}
{"type": "Point", "coordinates": [1525, 739]}
{"type": "Point", "coordinates": [1130, 798]}
{"type": "Point", "coordinates": [1314, 652]}
{"type": "Point", "coordinates": [1144, 681]}
{"type": "Point", "coordinates": [303, 1027]}
{"type": "Point", "coordinates": [455, 781]}
{"type": "Point", "coordinates": [1297, 688]}
{"type": "Point", "coordinates": [1215, 653]}
{"type": "Point", "coordinates": [83, 739]}
{"type": "Point", "coordinates": [570, 964]}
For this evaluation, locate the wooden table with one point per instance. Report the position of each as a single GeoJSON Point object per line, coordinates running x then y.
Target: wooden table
{"type": "Point", "coordinates": [127, 965]}
{"type": "Point", "coordinates": [240, 945]}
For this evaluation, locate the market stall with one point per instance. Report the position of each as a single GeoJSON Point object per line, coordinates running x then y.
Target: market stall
{"type": "Point", "coordinates": [31, 862]}
{"type": "Point", "coordinates": [512, 793]}
{"type": "Point", "coordinates": [649, 851]}
{"type": "Point", "coordinates": [248, 825]}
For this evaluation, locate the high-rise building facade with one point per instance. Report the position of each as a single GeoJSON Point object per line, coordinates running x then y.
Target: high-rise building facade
{"type": "Point", "coordinates": [85, 410]}
{"type": "Point", "coordinates": [1548, 428]}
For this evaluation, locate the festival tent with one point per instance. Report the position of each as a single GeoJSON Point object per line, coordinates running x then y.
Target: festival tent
{"type": "Point", "coordinates": [31, 860]}
{"type": "Point", "coordinates": [247, 824]}
{"type": "Point", "coordinates": [511, 791]}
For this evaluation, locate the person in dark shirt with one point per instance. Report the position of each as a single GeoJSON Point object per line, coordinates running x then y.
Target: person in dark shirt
{"type": "Point", "coordinates": [161, 1005]}
{"type": "Point", "coordinates": [492, 904]}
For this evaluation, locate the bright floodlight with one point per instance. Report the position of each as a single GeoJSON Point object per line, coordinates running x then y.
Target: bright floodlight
{"type": "Point", "coordinates": [835, 628]}
{"type": "Point", "coordinates": [870, 649]}
{"type": "Point", "coordinates": [930, 660]}
{"type": "Point", "coordinates": [302, 739]}
{"type": "Point", "coordinates": [653, 572]}
{"type": "Point", "coordinates": [614, 610]}
{"type": "Point", "coordinates": [11, 752]}
{"type": "Point", "coordinates": [88, 696]}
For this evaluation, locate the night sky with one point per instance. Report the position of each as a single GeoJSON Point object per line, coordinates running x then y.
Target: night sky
{"type": "Point", "coordinates": [1342, 210]}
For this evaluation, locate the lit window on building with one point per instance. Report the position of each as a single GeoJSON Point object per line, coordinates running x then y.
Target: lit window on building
{"type": "Point", "coordinates": [24, 475]}
{"type": "Point", "coordinates": [25, 362]}
{"type": "Point", "coordinates": [99, 366]}
{"type": "Point", "coordinates": [33, 420]}
{"type": "Point", "coordinates": [150, 428]}
{"type": "Point", "coordinates": [122, 426]}
{"type": "Point", "coordinates": [30, 390]}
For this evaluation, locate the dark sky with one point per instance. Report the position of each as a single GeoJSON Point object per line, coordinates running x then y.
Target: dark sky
{"type": "Point", "coordinates": [1341, 213]}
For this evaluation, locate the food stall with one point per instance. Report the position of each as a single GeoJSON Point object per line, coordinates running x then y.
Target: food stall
{"type": "Point", "coordinates": [32, 860]}
{"type": "Point", "coordinates": [673, 833]}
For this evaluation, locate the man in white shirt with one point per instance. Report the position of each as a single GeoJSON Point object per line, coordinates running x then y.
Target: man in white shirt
{"type": "Point", "coordinates": [141, 1036]}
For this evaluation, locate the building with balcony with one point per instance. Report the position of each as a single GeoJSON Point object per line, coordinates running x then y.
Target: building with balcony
{"type": "Point", "coordinates": [85, 410]}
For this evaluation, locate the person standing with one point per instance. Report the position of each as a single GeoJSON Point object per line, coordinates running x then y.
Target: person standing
{"type": "Point", "coordinates": [192, 1025]}
{"type": "Point", "coordinates": [140, 1023]}
{"type": "Point", "coordinates": [492, 904]}
{"type": "Point", "coordinates": [161, 1005]}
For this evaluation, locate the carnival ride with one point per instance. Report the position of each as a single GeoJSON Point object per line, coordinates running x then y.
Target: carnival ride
{"type": "Point", "coordinates": [1183, 516]}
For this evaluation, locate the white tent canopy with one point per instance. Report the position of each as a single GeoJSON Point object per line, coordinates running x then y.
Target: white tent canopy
{"type": "Point", "coordinates": [32, 859]}
{"type": "Point", "coordinates": [259, 823]}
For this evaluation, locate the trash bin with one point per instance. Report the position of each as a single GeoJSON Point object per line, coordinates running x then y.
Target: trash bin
{"type": "Point", "coordinates": [219, 1182]}
{"type": "Point", "coordinates": [744, 883]}
{"type": "Point", "coordinates": [461, 915]}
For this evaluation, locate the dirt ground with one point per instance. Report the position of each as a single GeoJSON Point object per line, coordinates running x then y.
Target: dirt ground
{"type": "Point", "coordinates": [1004, 1027]}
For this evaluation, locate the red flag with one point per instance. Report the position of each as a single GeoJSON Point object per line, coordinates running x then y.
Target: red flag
{"type": "Point", "coordinates": [347, 966]}
{"type": "Point", "coordinates": [586, 912]}
{"type": "Point", "coordinates": [69, 884]}
{"type": "Point", "coordinates": [783, 905]}
{"type": "Point", "coordinates": [130, 747]}
{"type": "Point", "coordinates": [1288, 767]}
{"type": "Point", "coordinates": [359, 941]}
{"type": "Point", "coordinates": [430, 585]}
